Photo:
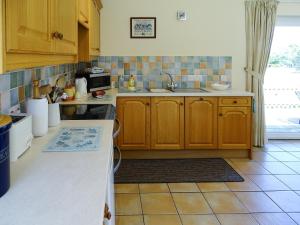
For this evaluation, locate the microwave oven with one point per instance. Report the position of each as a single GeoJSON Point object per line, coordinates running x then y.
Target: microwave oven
{"type": "Point", "coordinates": [98, 81]}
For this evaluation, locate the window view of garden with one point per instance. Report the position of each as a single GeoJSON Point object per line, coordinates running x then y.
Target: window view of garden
{"type": "Point", "coordinates": [282, 84]}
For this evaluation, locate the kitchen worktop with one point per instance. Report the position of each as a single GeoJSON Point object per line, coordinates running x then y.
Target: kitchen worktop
{"type": "Point", "coordinates": [112, 94]}
{"type": "Point", "coordinates": [206, 92]}
{"type": "Point", "coordinates": [60, 188]}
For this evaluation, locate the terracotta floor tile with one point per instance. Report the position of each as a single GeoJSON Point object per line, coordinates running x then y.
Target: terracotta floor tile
{"type": "Point", "coordinates": [288, 201]}
{"type": "Point", "coordinates": [290, 147]}
{"type": "Point", "coordinates": [154, 188]}
{"type": "Point", "coordinates": [295, 217]}
{"type": "Point", "coordinates": [277, 168]}
{"type": "Point", "coordinates": [199, 220]}
{"type": "Point", "coordinates": [126, 188]}
{"type": "Point", "coordinates": [191, 203]}
{"type": "Point", "coordinates": [236, 219]}
{"type": "Point", "coordinates": [129, 220]}
{"type": "Point", "coordinates": [247, 185]}
{"type": "Point", "coordinates": [292, 181]}
{"type": "Point", "coordinates": [158, 203]}
{"type": "Point", "coordinates": [284, 156]}
{"type": "Point", "coordinates": [257, 202]}
{"type": "Point", "coordinates": [183, 187]}
{"type": "Point", "coordinates": [272, 148]}
{"type": "Point", "coordinates": [268, 183]}
{"type": "Point", "coordinates": [294, 166]}
{"type": "Point", "coordinates": [212, 187]}
{"type": "Point", "coordinates": [128, 204]}
{"type": "Point", "coordinates": [296, 154]}
{"type": "Point", "coordinates": [262, 156]}
{"type": "Point", "coordinates": [162, 220]}
{"type": "Point", "coordinates": [273, 219]}
{"type": "Point", "coordinates": [224, 202]}
{"type": "Point", "coordinates": [251, 168]}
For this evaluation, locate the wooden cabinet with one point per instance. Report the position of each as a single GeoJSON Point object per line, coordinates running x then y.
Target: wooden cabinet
{"type": "Point", "coordinates": [201, 122]}
{"type": "Point", "coordinates": [28, 26]}
{"type": "Point", "coordinates": [37, 33]}
{"type": "Point", "coordinates": [65, 22]}
{"type": "Point", "coordinates": [134, 116]}
{"type": "Point", "coordinates": [95, 28]}
{"type": "Point", "coordinates": [234, 124]}
{"type": "Point", "coordinates": [84, 12]}
{"type": "Point", "coordinates": [167, 122]}
{"type": "Point", "coordinates": [89, 37]}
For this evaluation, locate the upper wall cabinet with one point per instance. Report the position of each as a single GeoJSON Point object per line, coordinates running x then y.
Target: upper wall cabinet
{"type": "Point", "coordinates": [37, 33]}
{"type": "Point", "coordinates": [84, 12]}
{"type": "Point", "coordinates": [28, 26]}
{"type": "Point", "coordinates": [64, 25]}
{"type": "Point", "coordinates": [89, 36]}
{"type": "Point", "coordinates": [95, 28]}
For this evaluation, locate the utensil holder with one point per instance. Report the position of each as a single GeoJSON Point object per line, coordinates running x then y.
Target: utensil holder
{"type": "Point", "coordinates": [53, 115]}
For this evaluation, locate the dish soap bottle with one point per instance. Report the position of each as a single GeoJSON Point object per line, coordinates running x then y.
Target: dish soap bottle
{"type": "Point", "coordinates": [131, 83]}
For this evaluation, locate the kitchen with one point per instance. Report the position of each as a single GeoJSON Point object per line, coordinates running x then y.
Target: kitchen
{"type": "Point", "coordinates": [151, 120]}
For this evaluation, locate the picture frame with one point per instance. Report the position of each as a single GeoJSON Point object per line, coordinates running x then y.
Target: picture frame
{"type": "Point", "coordinates": [142, 27]}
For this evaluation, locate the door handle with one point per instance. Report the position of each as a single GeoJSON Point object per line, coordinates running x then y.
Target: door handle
{"type": "Point", "coordinates": [117, 131]}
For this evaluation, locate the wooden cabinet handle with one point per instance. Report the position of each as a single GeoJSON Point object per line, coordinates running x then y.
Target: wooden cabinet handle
{"type": "Point", "coordinates": [107, 213]}
{"type": "Point", "coordinates": [234, 102]}
{"type": "Point", "coordinates": [147, 104]}
{"type": "Point", "coordinates": [201, 99]}
{"type": "Point", "coordinates": [220, 114]}
{"type": "Point", "coordinates": [181, 103]}
{"type": "Point", "coordinates": [98, 49]}
{"type": "Point", "coordinates": [60, 36]}
{"type": "Point", "coordinates": [55, 34]}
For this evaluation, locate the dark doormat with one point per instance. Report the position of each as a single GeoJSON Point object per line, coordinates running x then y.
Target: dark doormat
{"type": "Point", "coordinates": [176, 171]}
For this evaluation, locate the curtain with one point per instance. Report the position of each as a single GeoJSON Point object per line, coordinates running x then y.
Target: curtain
{"type": "Point", "coordinates": [260, 23]}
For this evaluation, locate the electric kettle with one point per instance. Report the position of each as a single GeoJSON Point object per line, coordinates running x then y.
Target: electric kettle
{"type": "Point", "coordinates": [81, 87]}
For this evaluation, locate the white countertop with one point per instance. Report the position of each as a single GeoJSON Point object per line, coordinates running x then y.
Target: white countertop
{"type": "Point", "coordinates": [210, 92]}
{"type": "Point", "coordinates": [114, 93]}
{"type": "Point", "coordinates": [59, 188]}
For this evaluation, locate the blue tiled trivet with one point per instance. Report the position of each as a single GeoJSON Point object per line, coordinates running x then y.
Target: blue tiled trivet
{"type": "Point", "coordinates": [76, 139]}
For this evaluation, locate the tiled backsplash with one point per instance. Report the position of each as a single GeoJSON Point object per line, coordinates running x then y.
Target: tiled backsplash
{"type": "Point", "coordinates": [16, 86]}
{"type": "Point", "coordinates": [188, 71]}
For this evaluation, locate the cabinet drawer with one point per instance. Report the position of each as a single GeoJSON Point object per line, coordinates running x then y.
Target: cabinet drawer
{"type": "Point", "coordinates": [235, 101]}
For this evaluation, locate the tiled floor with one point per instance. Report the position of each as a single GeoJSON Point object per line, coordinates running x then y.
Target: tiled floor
{"type": "Point", "coordinates": [270, 195]}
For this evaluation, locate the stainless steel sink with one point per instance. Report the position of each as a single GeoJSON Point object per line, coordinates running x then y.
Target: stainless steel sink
{"type": "Point", "coordinates": [159, 90]}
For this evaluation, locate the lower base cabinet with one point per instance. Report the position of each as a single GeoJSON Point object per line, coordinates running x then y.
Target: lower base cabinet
{"type": "Point", "coordinates": [162, 123]}
{"type": "Point", "coordinates": [167, 123]}
{"type": "Point", "coordinates": [134, 116]}
{"type": "Point", "coordinates": [201, 122]}
{"type": "Point", "coordinates": [234, 128]}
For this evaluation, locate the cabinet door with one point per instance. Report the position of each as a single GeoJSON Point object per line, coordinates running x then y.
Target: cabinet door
{"type": "Point", "coordinates": [64, 14]}
{"type": "Point", "coordinates": [28, 26]}
{"type": "Point", "coordinates": [234, 127]}
{"type": "Point", "coordinates": [134, 116]}
{"type": "Point", "coordinates": [167, 122]}
{"type": "Point", "coordinates": [83, 12]}
{"type": "Point", "coordinates": [94, 29]}
{"type": "Point", "coordinates": [201, 122]}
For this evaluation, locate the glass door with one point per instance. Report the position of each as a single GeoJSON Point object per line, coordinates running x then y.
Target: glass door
{"type": "Point", "coordinates": [282, 81]}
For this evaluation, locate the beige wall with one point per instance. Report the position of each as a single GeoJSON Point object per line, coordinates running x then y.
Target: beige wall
{"type": "Point", "coordinates": [213, 28]}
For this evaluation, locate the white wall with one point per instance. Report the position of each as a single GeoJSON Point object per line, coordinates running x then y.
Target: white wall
{"type": "Point", "coordinates": [213, 28]}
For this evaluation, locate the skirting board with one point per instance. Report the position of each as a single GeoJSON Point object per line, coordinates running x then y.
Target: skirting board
{"type": "Point", "coordinates": [169, 154]}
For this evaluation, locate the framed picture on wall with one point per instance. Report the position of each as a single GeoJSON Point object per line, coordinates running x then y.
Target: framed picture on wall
{"type": "Point", "coordinates": [143, 27]}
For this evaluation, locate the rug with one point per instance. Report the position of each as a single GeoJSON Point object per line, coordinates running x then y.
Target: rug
{"type": "Point", "coordinates": [176, 171]}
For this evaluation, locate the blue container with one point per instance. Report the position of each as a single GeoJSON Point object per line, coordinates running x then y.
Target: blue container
{"type": "Point", "coordinates": [5, 124]}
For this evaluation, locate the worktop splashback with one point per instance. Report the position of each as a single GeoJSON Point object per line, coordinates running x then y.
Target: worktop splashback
{"type": "Point", "coordinates": [16, 86]}
{"type": "Point", "coordinates": [188, 71]}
